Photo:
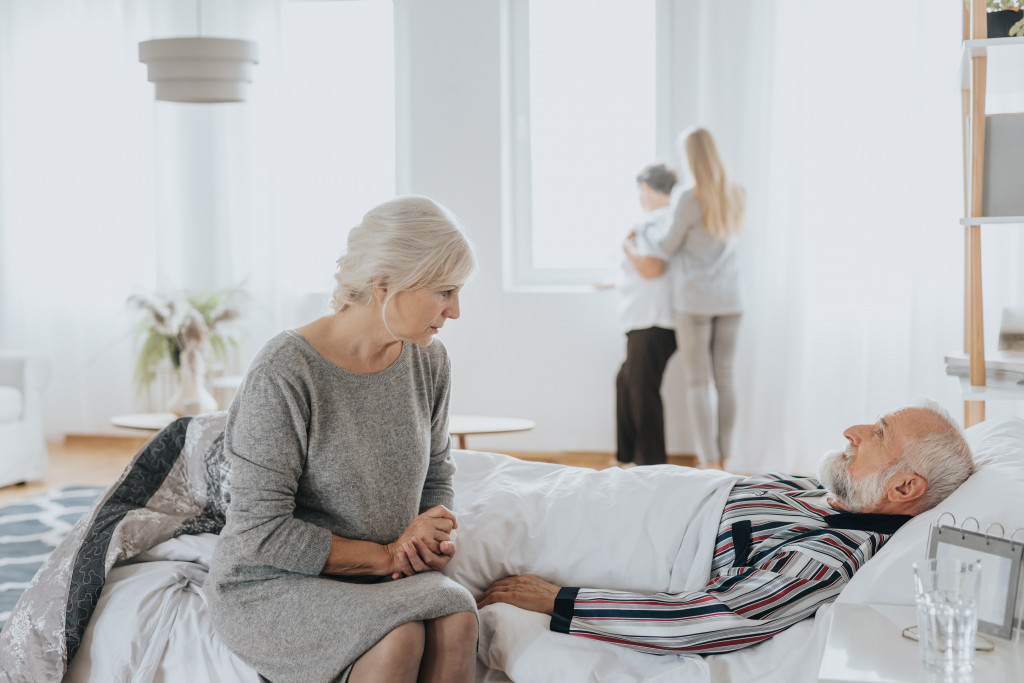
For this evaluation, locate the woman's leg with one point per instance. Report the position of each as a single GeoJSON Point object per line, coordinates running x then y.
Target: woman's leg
{"type": "Point", "coordinates": [649, 351]}
{"type": "Point", "coordinates": [693, 335]}
{"type": "Point", "coordinates": [625, 428]}
{"type": "Point", "coordinates": [723, 349]}
{"type": "Point", "coordinates": [395, 657]}
{"type": "Point", "coordinates": [450, 652]}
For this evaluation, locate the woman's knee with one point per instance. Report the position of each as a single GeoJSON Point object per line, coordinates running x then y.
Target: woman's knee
{"type": "Point", "coordinates": [404, 641]}
{"type": "Point", "coordinates": [455, 631]}
{"type": "Point", "coordinates": [696, 362]}
{"type": "Point", "coordinates": [464, 624]}
{"type": "Point", "coordinates": [395, 657]}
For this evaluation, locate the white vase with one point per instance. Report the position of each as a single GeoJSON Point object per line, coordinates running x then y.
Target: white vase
{"type": "Point", "coordinates": [192, 397]}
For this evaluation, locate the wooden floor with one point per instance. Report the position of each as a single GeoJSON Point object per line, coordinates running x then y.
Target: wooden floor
{"type": "Point", "coordinates": [79, 461]}
{"type": "Point", "coordinates": [98, 460]}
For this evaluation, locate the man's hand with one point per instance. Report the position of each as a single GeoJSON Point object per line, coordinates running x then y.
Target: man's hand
{"type": "Point", "coordinates": [526, 592]}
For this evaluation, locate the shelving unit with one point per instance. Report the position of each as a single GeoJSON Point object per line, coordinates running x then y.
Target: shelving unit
{"type": "Point", "coordinates": [976, 387]}
{"type": "Point", "coordinates": [991, 220]}
{"type": "Point", "coordinates": [1000, 386]}
{"type": "Point", "coordinates": [979, 47]}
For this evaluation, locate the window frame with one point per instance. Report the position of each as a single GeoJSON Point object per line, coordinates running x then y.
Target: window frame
{"type": "Point", "coordinates": [518, 271]}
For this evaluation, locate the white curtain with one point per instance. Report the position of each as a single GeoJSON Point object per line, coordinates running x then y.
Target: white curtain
{"type": "Point", "coordinates": [105, 192]}
{"type": "Point", "coordinates": [853, 254]}
{"type": "Point", "coordinates": [843, 122]}
{"type": "Point", "coordinates": [76, 231]}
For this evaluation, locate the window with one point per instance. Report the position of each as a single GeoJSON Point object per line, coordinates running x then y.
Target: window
{"type": "Point", "coordinates": [580, 109]}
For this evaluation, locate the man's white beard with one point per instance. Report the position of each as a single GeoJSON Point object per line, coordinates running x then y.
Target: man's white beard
{"type": "Point", "coordinates": [855, 496]}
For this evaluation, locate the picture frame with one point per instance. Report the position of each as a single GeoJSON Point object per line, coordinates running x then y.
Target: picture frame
{"type": "Point", "coordinates": [1001, 562]}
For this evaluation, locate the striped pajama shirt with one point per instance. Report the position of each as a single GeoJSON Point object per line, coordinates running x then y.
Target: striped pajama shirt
{"type": "Point", "coordinates": [781, 553]}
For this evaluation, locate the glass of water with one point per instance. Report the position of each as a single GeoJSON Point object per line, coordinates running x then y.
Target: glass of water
{"type": "Point", "coordinates": [947, 612]}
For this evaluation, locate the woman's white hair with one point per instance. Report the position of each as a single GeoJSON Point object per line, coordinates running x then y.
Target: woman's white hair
{"type": "Point", "coordinates": [409, 242]}
{"type": "Point", "coordinates": [941, 456]}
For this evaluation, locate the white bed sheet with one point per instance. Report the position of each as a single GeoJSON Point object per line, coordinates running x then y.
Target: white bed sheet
{"type": "Point", "coordinates": [151, 623]}
{"type": "Point", "coordinates": [529, 652]}
{"type": "Point", "coordinates": [614, 528]}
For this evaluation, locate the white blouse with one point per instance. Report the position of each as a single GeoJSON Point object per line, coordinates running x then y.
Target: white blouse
{"type": "Point", "coordinates": [647, 303]}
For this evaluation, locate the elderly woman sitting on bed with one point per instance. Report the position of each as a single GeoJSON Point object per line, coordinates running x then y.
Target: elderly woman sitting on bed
{"type": "Point", "coordinates": [342, 474]}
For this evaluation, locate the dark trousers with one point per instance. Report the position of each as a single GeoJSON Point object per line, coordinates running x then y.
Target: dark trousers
{"type": "Point", "coordinates": [639, 413]}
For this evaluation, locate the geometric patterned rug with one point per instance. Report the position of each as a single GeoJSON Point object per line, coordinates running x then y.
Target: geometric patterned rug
{"type": "Point", "coordinates": [29, 530]}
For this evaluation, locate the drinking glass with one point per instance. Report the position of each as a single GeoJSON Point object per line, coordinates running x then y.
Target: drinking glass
{"type": "Point", "coordinates": [947, 612]}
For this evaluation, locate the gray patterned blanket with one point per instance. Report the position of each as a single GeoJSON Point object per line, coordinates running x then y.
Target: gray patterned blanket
{"type": "Point", "coordinates": [176, 484]}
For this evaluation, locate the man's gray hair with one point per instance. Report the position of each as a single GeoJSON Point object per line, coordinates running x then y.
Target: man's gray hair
{"type": "Point", "coordinates": [941, 456]}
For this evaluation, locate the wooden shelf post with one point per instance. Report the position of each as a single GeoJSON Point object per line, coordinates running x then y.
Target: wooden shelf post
{"type": "Point", "coordinates": [974, 411]}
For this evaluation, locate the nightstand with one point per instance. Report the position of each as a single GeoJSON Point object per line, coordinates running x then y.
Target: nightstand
{"type": "Point", "coordinates": [865, 645]}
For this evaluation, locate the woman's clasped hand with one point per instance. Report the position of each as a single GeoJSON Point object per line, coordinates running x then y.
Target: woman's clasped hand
{"type": "Point", "coordinates": [427, 544]}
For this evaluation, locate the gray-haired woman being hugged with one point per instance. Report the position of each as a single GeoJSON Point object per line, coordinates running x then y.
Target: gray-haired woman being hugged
{"type": "Point", "coordinates": [341, 481]}
{"type": "Point", "coordinates": [645, 310]}
{"type": "Point", "coordinates": [701, 247]}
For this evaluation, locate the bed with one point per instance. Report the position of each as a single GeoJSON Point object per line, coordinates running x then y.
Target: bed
{"type": "Point", "coordinates": [123, 594]}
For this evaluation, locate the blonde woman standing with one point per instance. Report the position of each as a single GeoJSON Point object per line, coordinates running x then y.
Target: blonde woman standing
{"type": "Point", "coordinates": [701, 248]}
{"type": "Point", "coordinates": [341, 474]}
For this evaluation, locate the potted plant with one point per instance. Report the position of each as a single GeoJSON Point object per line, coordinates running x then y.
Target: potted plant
{"type": "Point", "coordinates": [185, 329]}
{"type": "Point", "coordinates": [1005, 18]}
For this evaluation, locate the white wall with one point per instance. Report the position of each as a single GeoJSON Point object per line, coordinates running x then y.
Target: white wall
{"type": "Point", "coordinates": [548, 357]}
{"type": "Point", "coordinates": [553, 357]}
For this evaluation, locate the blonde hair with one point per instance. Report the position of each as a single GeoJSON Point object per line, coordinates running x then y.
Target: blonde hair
{"type": "Point", "coordinates": [408, 242]}
{"type": "Point", "coordinates": [722, 201]}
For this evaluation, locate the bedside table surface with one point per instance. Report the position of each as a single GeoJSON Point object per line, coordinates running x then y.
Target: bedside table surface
{"type": "Point", "coordinates": [865, 645]}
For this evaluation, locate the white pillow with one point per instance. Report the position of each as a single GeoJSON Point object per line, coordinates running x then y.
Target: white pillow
{"type": "Point", "coordinates": [992, 494]}
{"type": "Point", "coordinates": [638, 529]}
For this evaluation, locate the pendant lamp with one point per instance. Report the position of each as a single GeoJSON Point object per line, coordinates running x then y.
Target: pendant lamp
{"type": "Point", "coordinates": [199, 69]}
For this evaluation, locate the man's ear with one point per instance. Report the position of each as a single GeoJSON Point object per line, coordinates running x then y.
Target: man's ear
{"type": "Point", "coordinates": [906, 489]}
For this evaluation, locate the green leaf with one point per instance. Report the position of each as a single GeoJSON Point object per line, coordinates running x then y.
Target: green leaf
{"type": "Point", "coordinates": [156, 346]}
{"type": "Point", "coordinates": [154, 349]}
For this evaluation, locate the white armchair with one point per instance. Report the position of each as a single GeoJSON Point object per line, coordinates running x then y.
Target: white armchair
{"type": "Point", "coordinates": [23, 376]}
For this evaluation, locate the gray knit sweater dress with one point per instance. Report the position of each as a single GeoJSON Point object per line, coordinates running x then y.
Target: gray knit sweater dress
{"type": "Point", "coordinates": [315, 450]}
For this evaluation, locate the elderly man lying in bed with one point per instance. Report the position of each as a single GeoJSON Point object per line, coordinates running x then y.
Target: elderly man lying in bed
{"type": "Point", "coordinates": [786, 544]}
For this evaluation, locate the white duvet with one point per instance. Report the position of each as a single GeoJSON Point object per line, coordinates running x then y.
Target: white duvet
{"type": "Point", "coordinates": [645, 529]}
{"type": "Point", "coordinates": [637, 529]}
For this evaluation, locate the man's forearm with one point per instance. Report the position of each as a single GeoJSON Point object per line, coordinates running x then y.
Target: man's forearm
{"type": "Point", "coordinates": [753, 608]}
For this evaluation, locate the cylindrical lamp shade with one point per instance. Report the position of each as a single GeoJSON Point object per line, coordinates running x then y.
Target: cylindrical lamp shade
{"type": "Point", "coordinates": [199, 69]}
